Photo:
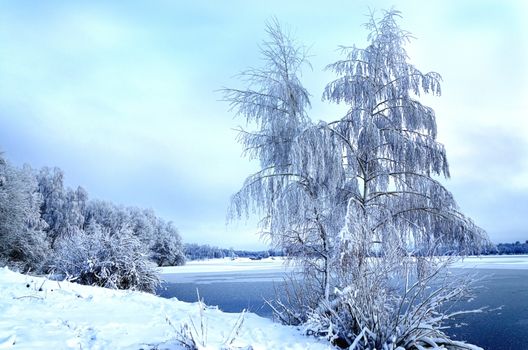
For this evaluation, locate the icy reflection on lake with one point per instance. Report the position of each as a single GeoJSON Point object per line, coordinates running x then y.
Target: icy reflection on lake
{"type": "Point", "coordinates": [244, 285]}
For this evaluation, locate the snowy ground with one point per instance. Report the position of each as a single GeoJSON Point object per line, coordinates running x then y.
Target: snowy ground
{"type": "Point", "coordinates": [36, 313]}
{"type": "Point", "coordinates": [70, 316]}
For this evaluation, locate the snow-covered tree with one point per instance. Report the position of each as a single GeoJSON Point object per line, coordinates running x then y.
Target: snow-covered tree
{"type": "Point", "coordinates": [162, 239]}
{"type": "Point", "coordinates": [166, 247]}
{"type": "Point", "coordinates": [62, 208]}
{"type": "Point", "coordinates": [112, 217]}
{"type": "Point", "coordinates": [357, 201]}
{"type": "Point", "coordinates": [299, 190]}
{"type": "Point", "coordinates": [143, 223]}
{"type": "Point", "coordinates": [399, 212]}
{"type": "Point", "coordinates": [389, 139]}
{"type": "Point", "coordinates": [93, 242]}
{"type": "Point", "coordinates": [22, 241]}
{"type": "Point", "coordinates": [51, 187]}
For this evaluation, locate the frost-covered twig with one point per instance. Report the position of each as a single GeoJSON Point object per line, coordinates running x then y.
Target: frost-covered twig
{"type": "Point", "coordinates": [28, 296]}
{"type": "Point", "coordinates": [230, 339]}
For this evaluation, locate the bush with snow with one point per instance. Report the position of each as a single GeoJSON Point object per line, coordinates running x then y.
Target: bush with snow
{"type": "Point", "coordinates": [97, 257]}
{"type": "Point", "coordinates": [405, 313]}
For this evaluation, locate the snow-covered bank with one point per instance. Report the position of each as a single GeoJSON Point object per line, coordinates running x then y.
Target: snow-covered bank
{"type": "Point", "coordinates": [513, 262]}
{"type": "Point", "coordinates": [228, 265]}
{"type": "Point", "coordinates": [218, 270]}
{"type": "Point", "coordinates": [36, 313]}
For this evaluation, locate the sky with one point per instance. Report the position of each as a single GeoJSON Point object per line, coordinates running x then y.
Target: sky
{"type": "Point", "coordinates": [124, 97]}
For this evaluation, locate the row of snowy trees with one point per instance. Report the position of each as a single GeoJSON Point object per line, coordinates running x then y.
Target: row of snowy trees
{"type": "Point", "coordinates": [507, 248]}
{"type": "Point", "coordinates": [195, 251]}
{"type": "Point", "coordinates": [356, 201]}
{"type": "Point", "coordinates": [46, 227]}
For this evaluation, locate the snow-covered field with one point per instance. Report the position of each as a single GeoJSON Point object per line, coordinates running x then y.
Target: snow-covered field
{"type": "Point", "coordinates": [218, 270]}
{"type": "Point", "coordinates": [36, 313]}
{"type": "Point", "coordinates": [228, 265]}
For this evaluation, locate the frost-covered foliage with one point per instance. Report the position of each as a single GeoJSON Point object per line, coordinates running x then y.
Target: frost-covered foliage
{"type": "Point", "coordinates": [390, 144]}
{"type": "Point", "coordinates": [356, 202]}
{"type": "Point", "coordinates": [45, 226]}
{"type": "Point", "coordinates": [97, 257]}
{"type": "Point", "coordinates": [299, 190]}
{"type": "Point", "coordinates": [379, 311]}
{"type": "Point", "coordinates": [166, 248]}
{"type": "Point", "coordinates": [22, 242]}
{"type": "Point", "coordinates": [161, 238]}
{"type": "Point", "coordinates": [398, 213]}
{"type": "Point", "coordinates": [68, 214]}
{"type": "Point", "coordinates": [110, 216]}
{"type": "Point", "coordinates": [62, 208]}
{"type": "Point", "coordinates": [118, 247]}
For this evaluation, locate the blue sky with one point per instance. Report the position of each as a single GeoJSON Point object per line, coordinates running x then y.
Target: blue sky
{"type": "Point", "coordinates": [123, 97]}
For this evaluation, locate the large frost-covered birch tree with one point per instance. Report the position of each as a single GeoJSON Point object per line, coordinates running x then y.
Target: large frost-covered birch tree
{"type": "Point", "coordinates": [398, 212]}
{"type": "Point", "coordinates": [357, 201]}
{"type": "Point", "coordinates": [391, 149]}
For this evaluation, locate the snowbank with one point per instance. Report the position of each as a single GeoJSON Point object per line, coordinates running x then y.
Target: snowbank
{"type": "Point", "coordinates": [37, 313]}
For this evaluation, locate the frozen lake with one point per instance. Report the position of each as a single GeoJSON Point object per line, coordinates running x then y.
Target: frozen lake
{"type": "Point", "coordinates": [244, 284]}
{"type": "Point", "coordinates": [232, 285]}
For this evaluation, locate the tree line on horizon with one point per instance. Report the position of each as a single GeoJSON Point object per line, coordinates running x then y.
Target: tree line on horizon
{"type": "Point", "coordinates": [46, 227]}
{"type": "Point", "coordinates": [195, 251]}
{"type": "Point", "coordinates": [506, 248]}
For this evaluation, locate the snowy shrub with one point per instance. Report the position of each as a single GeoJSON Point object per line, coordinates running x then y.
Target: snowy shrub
{"type": "Point", "coordinates": [193, 335]}
{"type": "Point", "coordinates": [25, 252]}
{"type": "Point", "coordinates": [406, 312]}
{"type": "Point", "coordinates": [96, 257]}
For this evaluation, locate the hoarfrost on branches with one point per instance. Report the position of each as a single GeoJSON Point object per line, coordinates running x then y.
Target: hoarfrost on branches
{"type": "Point", "coordinates": [47, 228]}
{"type": "Point", "coordinates": [300, 188]}
{"type": "Point", "coordinates": [22, 242]}
{"type": "Point", "coordinates": [96, 257]}
{"type": "Point", "coordinates": [356, 202]}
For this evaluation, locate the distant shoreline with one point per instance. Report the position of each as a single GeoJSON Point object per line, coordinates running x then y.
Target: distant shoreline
{"type": "Point", "coordinates": [514, 262]}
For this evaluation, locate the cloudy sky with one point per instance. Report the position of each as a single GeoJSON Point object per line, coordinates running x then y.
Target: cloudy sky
{"type": "Point", "coordinates": [123, 96]}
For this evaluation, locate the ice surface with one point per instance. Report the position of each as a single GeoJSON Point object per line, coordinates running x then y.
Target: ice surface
{"type": "Point", "coordinates": [513, 262]}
